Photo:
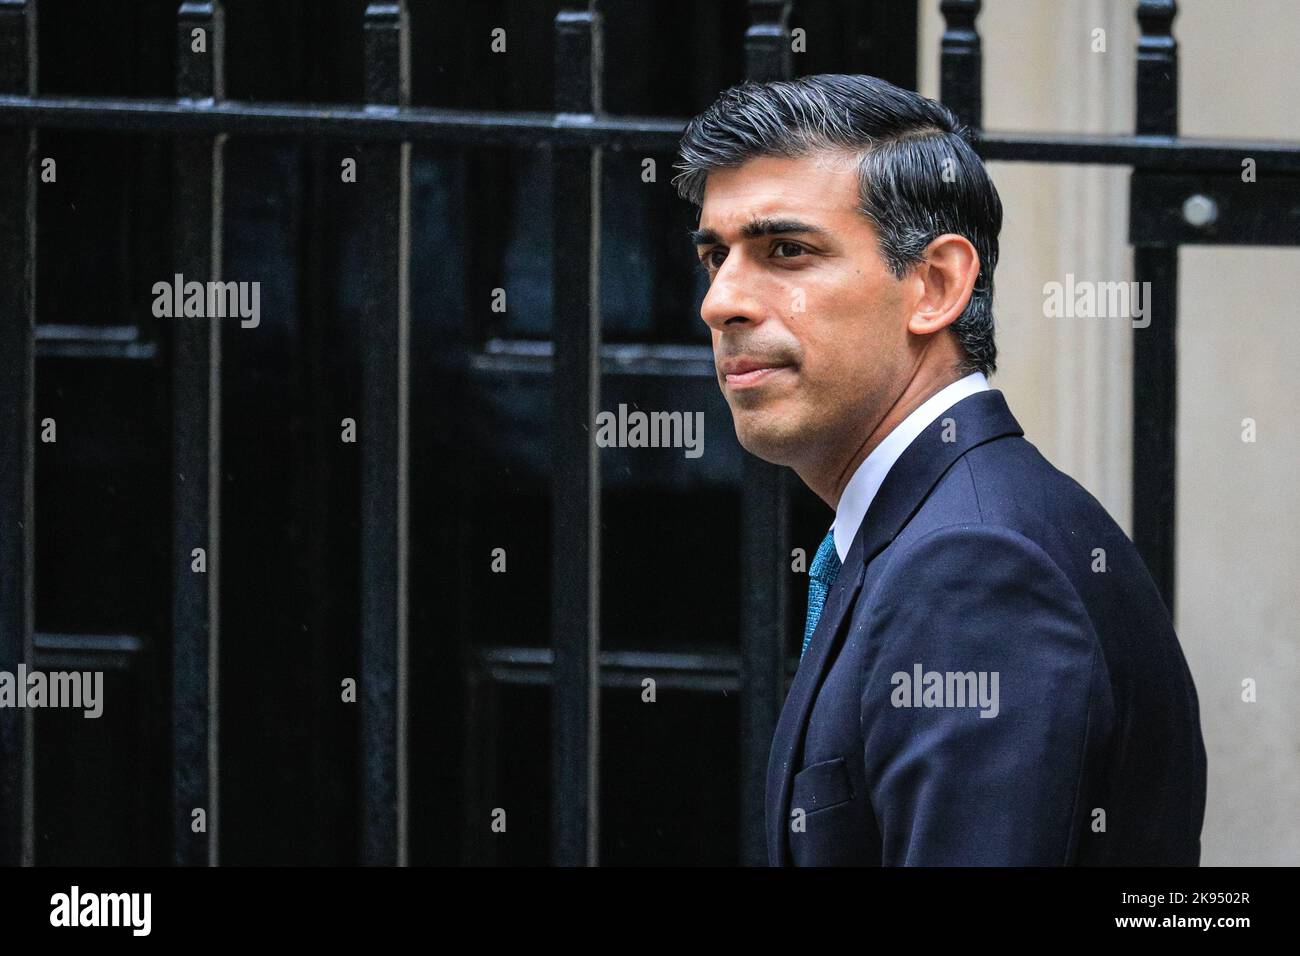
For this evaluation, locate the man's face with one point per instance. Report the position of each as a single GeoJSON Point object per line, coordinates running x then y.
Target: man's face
{"type": "Point", "coordinates": [809, 325]}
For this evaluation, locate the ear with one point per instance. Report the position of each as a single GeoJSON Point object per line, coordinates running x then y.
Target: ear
{"type": "Point", "coordinates": [947, 276]}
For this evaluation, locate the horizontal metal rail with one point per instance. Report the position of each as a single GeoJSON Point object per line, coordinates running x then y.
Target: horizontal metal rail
{"type": "Point", "coordinates": [536, 356]}
{"type": "Point", "coordinates": [469, 127]}
{"type": "Point", "coordinates": [115, 652]}
{"type": "Point", "coordinates": [699, 671]}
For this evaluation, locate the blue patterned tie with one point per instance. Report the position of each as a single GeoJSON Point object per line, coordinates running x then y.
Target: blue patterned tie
{"type": "Point", "coordinates": [826, 564]}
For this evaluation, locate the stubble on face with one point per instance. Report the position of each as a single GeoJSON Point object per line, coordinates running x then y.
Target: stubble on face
{"type": "Point", "coordinates": [833, 317]}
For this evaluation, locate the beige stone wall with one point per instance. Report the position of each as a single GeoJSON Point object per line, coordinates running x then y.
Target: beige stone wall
{"type": "Point", "coordinates": [1069, 380]}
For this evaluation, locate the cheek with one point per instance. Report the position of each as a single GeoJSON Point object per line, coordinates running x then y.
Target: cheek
{"type": "Point", "coordinates": [833, 373]}
{"type": "Point", "coordinates": [849, 325]}
{"type": "Point", "coordinates": [853, 346]}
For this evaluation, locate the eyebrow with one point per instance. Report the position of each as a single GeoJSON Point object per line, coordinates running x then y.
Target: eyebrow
{"type": "Point", "coordinates": [758, 227]}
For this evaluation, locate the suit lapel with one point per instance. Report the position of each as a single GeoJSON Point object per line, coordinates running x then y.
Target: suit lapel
{"type": "Point", "coordinates": [794, 715]}
{"type": "Point", "coordinates": [974, 420]}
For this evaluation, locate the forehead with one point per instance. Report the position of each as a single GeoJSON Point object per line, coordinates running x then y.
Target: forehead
{"type": "Point", "coordinates": [820, 186]}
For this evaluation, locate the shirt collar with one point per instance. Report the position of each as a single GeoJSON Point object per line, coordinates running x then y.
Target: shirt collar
{"type": "Point", "coordinates": [866, 481]}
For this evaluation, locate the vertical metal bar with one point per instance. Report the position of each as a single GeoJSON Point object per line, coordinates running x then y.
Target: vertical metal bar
{"type": "Point", "coordinates": [765, 534]}
{"type": "Point", "coordinates": [575, 488]}
{"type": "Point", "coordinates": [1155, 348]}
{"type": "Point", "coordinates": [768, 55]}
{"type": "Point", "coordinates": [196, 449]}
{"type": "Point", "coordinates": [477, 772]}
{"type": "Point", "coordinates": [1157, 68]}
{"type": "Point", "coordinates": [316, 603]}
{"type": "Point", "coordinates": [474, 849]}
{"type": "Point", "coordinates": [17, 429]}
{"type": "Point", "coordinates": [385, 176]}
{"type": "Point", "coordinates": [765, 599]}
{"type": "Point", "coordinates": [961, 62]}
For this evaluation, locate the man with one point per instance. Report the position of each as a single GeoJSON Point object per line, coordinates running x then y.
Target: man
{"type": "Point", "coordinates": [989, 675]}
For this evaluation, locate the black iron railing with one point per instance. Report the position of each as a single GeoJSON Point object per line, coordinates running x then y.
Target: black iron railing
{"type": "Point", "coordinates": [1167, 170]}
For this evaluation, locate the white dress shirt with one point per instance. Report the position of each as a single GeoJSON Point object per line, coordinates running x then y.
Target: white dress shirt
{"type": "Point", "coordinates": [866, 481]}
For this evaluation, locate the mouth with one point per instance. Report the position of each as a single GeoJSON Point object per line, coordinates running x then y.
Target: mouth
{"type": "Point", "coordinates": [753, 377]}
{"type": "Point", "coordinates": [749, 373]}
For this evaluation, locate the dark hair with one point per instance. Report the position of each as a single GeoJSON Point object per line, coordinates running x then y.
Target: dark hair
{"type": "Point", "coordinates": [919, 175]}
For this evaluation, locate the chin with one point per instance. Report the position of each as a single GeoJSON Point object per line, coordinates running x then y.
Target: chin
{"type": "Point", "coordinates": [767, 441]}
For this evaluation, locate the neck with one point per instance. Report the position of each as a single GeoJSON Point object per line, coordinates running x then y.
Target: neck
{"type": "Point", "coordinates": [829, 477]}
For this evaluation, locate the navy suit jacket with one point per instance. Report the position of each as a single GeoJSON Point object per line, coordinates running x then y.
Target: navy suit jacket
{"type": "Point", "coordinates": [978, 558]}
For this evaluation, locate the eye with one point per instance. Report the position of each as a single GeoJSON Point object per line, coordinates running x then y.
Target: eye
{"type": "Point", "coordinates": [707, 261]}
{"type": "Point", "coordinates": [787, 244]}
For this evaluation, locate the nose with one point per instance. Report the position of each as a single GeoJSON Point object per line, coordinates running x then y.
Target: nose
{"type": "Point", "coordinates": [731, 300]}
